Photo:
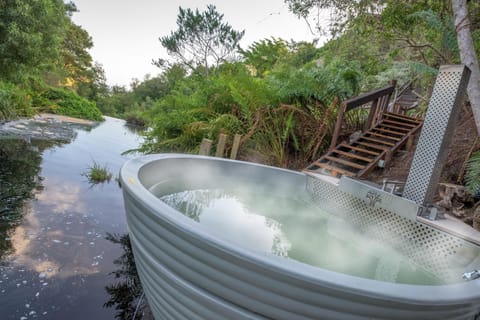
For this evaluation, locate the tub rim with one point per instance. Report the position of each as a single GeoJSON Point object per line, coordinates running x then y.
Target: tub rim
{"type": "Point", "coordinates": [458, 293]}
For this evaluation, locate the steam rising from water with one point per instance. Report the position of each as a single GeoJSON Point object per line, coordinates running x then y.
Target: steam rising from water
{"type": "Point", "coordinates": [293, 228]}
{"type": "Point", "coordinates": [225, 216]}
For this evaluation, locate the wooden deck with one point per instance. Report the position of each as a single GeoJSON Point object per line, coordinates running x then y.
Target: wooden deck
{"type": "Point", "coordinates": [387, 131]}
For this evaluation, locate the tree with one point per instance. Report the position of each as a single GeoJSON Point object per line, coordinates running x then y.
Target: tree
{"type": "Point", "coordinates": [30, 36]}
{"type": "Point", "coordinates": [468, 55]}
{"type": "Point", "coordinates": [202, 39]}
{"type": "Point", "coordinates": [264, 54]}
{"type": "Point", "coordinates": [393, 12]}
{"type": "Point", "coordinates": [342, 12]}
{"type": "Point", "coordinates": [76, 59]}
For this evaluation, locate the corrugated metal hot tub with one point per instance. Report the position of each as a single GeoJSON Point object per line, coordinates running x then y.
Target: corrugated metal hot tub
{"type": "Point", "coordinates": [188, 272]}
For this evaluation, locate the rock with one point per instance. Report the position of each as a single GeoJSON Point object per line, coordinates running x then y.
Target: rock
{"type": "Point", "coordinates": [454, 199]}
{"type": "Point", "coordinates": [354, 136]}
{"type": "Point", "coordinates": [476, 219]}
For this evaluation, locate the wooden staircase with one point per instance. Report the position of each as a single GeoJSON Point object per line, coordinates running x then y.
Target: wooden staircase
{"type": "Point", "coordinates": [390, 132]}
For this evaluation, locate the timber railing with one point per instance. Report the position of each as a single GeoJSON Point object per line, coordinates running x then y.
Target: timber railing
{"type": "Point", "coordinates": [377, 101]}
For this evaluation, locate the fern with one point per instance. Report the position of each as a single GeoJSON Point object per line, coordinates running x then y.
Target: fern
{"type": "Point", "coordinates": [472, 175]}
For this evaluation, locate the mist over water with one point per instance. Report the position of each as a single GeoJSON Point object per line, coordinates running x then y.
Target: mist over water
{"type": "Point", "coordinates": [292, 227]}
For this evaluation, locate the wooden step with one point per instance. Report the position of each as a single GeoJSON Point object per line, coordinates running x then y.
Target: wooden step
{"type": "Point", "coordinates": [378, 141]}
{"type": "Point", "coordinates": [373, 146]}
{"type": "Point", "coordinates": [333, 169]}
{"type": "Point", "coordinates": [373, 153]}
{"type": "Point", "coordinates": [384, 136]}
{"type": "Point", "coordinates": [388, 131]}
{"type": "Point", "coordinates": [397, 117]}
{"type": "Point", "coordinates": [403, 117]}
{"type": "Point", "coordinates": [344, 162]}
{"type": "Point", "coordinates": [410, 125]}
{"type": "Point", "coordinates": [351, 155]}
{"type": "Point", "coordinates": [407, 99]}
{"type": "Point", "coordinates": [381, 124]}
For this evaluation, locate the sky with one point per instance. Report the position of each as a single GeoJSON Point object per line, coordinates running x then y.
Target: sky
{"type": "Point", "coordinates": [125, 32]}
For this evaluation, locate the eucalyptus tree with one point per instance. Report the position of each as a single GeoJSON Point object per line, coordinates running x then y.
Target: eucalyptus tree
{"type": "Point", "coordinates": [202, 39]}
{"type": "Point", "coordinates": [468, 55]}
{"type": "Point", "coordinates": [333, 16]}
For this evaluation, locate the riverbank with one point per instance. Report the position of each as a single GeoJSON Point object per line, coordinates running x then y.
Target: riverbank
{"type": "Point", "coordinates": [44, 126]}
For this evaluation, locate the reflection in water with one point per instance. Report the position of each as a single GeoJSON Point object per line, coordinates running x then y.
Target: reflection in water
{"type": "Point", "coordinates": [295, 229]}
{"type": "Point", "coordinates": [126, 293]}
{"type": "Point", "coordinates": [19, 177]}
{"type": "Point", "coordinates": [54, 258]}
{"type": "Point", "coordinates": [226, 216]}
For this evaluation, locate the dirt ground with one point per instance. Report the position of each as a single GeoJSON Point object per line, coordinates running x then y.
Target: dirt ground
{"type": "Point", "coordinates": [60, 118]}
{"type": "Point", "coordinates": [465, 140]}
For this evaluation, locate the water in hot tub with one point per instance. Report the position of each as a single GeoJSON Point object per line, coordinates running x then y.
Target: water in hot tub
{"type": "Point", "coordinates": [295, 229]}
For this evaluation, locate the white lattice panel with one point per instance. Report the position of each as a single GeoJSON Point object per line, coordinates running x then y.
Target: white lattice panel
{"type": "Point", "coordinates": [437, 130]}
{"type": "Point", "coordinates": [437, 252]}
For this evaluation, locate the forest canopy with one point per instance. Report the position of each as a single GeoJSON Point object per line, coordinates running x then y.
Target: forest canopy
{"type": "Point", "coordinates": [43, 51]}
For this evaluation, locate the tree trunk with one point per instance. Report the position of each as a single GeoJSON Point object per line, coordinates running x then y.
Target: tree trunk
{"type": "Point", "coordinates": [468, 55]}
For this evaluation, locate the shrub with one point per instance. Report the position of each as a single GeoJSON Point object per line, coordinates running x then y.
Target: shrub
{"type": "Point", "coordinates": [68, 103]}
{"type": "Point", "coordinates": [14, 102]}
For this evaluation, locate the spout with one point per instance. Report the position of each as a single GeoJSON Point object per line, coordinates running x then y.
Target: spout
{"type": "Point", "coordinates": [472, 275]}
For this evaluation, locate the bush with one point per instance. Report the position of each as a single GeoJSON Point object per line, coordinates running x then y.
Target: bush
{"type": "Point", "coordinates": [136, 118]}
{"type": "Point", "coordinates": [68, 103]}
{"type": "Point", "coordinates": [14, 102]}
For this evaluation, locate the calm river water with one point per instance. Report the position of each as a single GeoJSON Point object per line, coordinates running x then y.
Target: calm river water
{"type": "Point", "coordinates": [55, 260]}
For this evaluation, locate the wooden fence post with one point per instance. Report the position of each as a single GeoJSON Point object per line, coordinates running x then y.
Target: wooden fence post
{"type": "Point", "coordinates": [222, 139]}
{"type": "Point", "coordinates": [205, 147]}
{"type": "Point", "coordinates": [235, 146]}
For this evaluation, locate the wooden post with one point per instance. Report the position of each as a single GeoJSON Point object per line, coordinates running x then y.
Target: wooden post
{"type": "Point", "coordinates": [235, 146]}
{"type": "Point", "coordinates": [388, 158]}
{"type": "Point", "coordinates": [222, 139]}
{"type": "Point", "coordinates": [338, 126]}
{"type": "Point", "coordinates": [372, 115]}
{"type": "Point", "coordinates": [205, 147]}
{"type": "Point", "coordinates": [409, 144]}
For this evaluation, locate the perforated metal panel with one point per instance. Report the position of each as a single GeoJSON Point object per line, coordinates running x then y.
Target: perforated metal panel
{"type": "Point", "coordinates": [437, 130]}
{"type": "Point", "coordinates": [437, 252]}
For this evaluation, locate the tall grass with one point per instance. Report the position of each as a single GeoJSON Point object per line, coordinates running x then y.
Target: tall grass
{"type": "Point", "coordinates": [97, 173]}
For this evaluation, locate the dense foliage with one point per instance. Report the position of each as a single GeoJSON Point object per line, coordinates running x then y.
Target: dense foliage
{"type": "Point", "coordinates": [43, 55]}
{"type": "Point", "coordinates": [281, 96]}
{"type": "Point", "coordinates": [14, 102]}
{"type": "Point", "coordinates": [66, 102]}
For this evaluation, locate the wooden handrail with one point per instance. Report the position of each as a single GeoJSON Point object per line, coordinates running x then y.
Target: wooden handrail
{"type": "Point", "coordinates": [360, 100]}
{"type": "Point", "coordinates": [379, 101]}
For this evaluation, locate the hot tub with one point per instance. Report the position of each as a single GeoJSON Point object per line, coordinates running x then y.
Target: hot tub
{"type": "Point", "coordinates": [201, 257]}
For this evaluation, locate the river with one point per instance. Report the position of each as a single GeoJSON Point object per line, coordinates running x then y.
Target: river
{"type": "Point", "coordinates": [55, 259]}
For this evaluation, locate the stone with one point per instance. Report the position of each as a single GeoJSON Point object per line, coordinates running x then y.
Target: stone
{"type": "Point", "coordinates": [454, 199]}
{"type": "Point", "coordinates": [476, 219]}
